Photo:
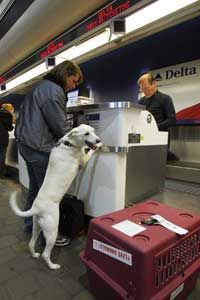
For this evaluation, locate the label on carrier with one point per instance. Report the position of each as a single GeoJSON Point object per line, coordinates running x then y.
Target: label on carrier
{"type": "Point", "coordinates": [118, 254]}
{"type": "Point", "coordinates": [165, 223]}
{"type": "Point", "coordinates": [177, 291]}
{"type": "Point", "coordinates": [129, 228]}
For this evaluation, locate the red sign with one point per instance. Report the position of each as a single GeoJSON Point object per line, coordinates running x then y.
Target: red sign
{"type": "Point", "coordinates": [2, 79]}
{"type": "Point", "coordinates": [51, 48]}
{"type": "Point", "coordinates": [108, 13]}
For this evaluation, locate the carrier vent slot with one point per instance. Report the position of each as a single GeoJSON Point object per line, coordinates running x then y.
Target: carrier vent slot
{"type": "Point", "coordinates": [172, 262]}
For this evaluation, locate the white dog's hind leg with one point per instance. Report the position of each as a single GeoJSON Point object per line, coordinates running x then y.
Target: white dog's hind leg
{"type": "Point", "coordinates": [50, 241]}
{"type": "Point", "coordinates": [35, 233]}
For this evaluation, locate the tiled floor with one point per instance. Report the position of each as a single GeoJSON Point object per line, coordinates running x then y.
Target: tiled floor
{"type": "Point", "coordinates": [23, 278]}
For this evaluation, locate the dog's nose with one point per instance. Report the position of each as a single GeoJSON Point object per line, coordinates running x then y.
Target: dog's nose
{"type": "Point", "coordinates": [98, 141]}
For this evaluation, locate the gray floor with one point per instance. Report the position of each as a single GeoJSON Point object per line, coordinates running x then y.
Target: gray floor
{"type": "Point", "coordinates": [23, 278]}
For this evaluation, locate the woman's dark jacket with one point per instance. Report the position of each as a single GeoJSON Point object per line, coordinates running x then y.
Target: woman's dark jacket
{"type": "Point", "coordinates": [5, 126]}
{"type": "Point", "coordinates": [42, 116]}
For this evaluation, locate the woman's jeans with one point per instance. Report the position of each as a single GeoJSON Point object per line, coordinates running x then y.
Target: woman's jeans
{"type": "Point", "coordinates": [36, 163]}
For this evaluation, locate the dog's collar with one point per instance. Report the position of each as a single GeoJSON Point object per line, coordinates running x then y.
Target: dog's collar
{"type": "Point", "coordinates": [67, 143]}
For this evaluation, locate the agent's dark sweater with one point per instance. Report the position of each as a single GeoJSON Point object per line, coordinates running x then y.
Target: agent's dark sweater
{"type": "Point", "coordinates": [161, 107]}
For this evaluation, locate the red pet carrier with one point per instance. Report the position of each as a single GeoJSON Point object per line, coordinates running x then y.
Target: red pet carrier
{"type": "Point", "coordinates": [139, 259]}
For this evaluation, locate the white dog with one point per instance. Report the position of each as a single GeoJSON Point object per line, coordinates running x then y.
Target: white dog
{"type": "Point", "coordinates": [73, 150]}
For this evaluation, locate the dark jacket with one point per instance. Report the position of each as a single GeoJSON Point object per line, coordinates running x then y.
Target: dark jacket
{"type": "Point", "coordinates": [161, 107]}
{"type": "Point", "coordinates": [5, 126]}
{"type": "Point", "coordinates": [42, 117]}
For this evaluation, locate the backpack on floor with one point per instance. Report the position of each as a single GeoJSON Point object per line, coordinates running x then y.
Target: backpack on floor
{"type": "Point", "coordinates": [71, 220]}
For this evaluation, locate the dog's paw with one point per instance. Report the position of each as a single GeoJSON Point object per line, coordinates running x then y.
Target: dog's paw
{"type": "Point", "coordinates": [54, 266]}
{"type": "Point", "coordinates": [35, 255]}
{"type": "Point", "coordinates": [99, 145]}
{"type": "Point", "coordinates": [86, 149]}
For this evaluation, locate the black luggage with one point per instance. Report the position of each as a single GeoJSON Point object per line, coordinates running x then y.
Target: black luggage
{"type": "Point", "coordinates": [71, 216]}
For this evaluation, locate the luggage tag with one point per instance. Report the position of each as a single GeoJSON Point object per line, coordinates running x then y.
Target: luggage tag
{"type": "Point", "coordinates": [159, 220]}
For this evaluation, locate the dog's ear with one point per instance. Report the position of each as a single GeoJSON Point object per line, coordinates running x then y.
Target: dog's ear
{"type": "Point", "coordinates": [73, 132]}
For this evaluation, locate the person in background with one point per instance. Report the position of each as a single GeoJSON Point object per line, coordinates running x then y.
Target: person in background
{"type": "Point", "coordinates": [158, 104]}
{"type": "Point", "coordinates": [9, 107]}
{"type": "Point", "coordinates": [6, 121]}
{"type": "Point", "coordinates": [41, 122]}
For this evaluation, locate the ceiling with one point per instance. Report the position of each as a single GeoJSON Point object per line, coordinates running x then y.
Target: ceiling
{"type": "Point", "coordinates": [39, 24]}
{"type": "Point", "coordinates": [43, 20]}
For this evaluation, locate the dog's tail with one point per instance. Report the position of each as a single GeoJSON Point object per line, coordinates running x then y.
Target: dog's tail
{"type": "Point", "coordinates": [13, 204]}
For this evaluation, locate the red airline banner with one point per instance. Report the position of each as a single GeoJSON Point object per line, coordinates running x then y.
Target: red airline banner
{"type": "Point", "coordinates": [2, 79]}
{"type": "Point", "coordinates": [51, 48]}
{"type": "Point", "coordinates": [108, 13]}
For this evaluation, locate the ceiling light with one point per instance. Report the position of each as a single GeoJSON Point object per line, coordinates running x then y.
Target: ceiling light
{"type": "Point", "coordinates": [65, 55]}
{"type": "Point", "coordinates": [36, 71]}
{"type": "Point", "coordinates": [71, 53]}
{"type": "Point", "coordinates": [153, 12]}
{"type": "Point", "coordinates": [86, 46]}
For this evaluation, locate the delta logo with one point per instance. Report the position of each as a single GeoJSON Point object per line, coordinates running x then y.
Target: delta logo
{"type": "Point", "coordinates": [172, 74]}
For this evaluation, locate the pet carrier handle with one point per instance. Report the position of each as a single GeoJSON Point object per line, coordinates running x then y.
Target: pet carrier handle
{"type": "Point", "coordinates": [150, 221]}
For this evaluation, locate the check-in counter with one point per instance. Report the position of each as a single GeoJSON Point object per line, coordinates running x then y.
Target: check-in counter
{"type": "Point", "coordinates": [131, 164]}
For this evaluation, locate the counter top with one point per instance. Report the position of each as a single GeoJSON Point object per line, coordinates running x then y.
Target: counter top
{"type": "Point", "coordinates": [105, 105]}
